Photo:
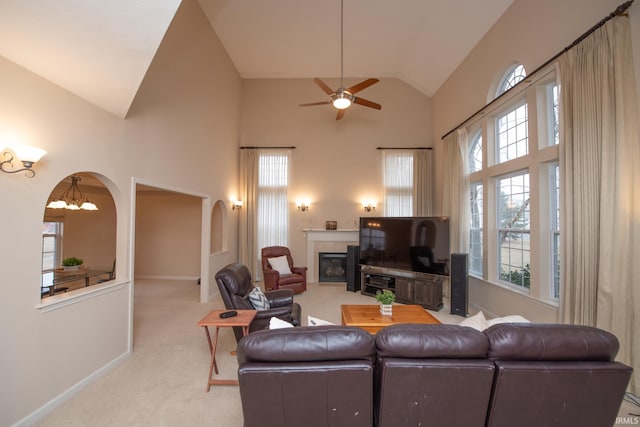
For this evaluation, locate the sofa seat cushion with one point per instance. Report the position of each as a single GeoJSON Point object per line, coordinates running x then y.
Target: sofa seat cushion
{"type": "Point", "coordinates": [550, 342]}
{"type": "Point", "coordinates": [289, 279]}
{"type": "Point", "coordinates": [431, 341]}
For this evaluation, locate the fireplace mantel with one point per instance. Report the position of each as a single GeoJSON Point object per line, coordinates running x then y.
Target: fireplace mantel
{"type": "Point", "coordinates": [314, 236]}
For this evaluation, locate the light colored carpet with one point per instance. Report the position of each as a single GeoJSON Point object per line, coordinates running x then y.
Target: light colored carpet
{"type": "Point", "coordinates": [163, 382]}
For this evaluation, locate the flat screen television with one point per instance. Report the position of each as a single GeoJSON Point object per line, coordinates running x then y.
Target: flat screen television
{"type": "Point", "coordinates": [418, 244]}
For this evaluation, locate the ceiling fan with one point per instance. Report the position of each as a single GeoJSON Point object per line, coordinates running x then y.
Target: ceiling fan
{"type": "Point", "coordinates": [343, 98]}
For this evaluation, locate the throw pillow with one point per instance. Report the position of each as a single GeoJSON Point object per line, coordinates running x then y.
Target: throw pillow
{"type": "Point", "coordinates": [314, 321]}
{"type": "Point", "coordinates": [477, 321]}
{"type": "Point", "coordinates": [275, 323]}
{"type": "Point", "coordinates": [280, 264]}
{"type": "Point", "coordinates": [514, 318]}
{"type": "Point", "coordinates": [258, 299]}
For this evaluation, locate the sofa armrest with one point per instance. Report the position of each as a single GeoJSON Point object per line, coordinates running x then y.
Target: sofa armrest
{"type": "Point", "coordinates": [274, 312]}
{"type": "Point", "coordinates": [271, 278]}
{"type": "Point", "coordinates": [299, 270]}
{"type": "Point", "coordinates": [280, 297]}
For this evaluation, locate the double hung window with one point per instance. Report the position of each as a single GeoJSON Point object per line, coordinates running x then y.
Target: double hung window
{"type": "Point", "coordinates": [514, 188]}
{"type": "Point", "coordinates": [397, 167]}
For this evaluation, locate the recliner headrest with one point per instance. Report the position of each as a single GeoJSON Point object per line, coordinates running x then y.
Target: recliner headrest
{"type": "Point", "coordinates": [431, 341]}
{"type": "Point", "coordinates": [538, 342]}
{"type": "Point", "coordinates": [306, 344]}
{"type": "Point", "coordinates": [236, 278]}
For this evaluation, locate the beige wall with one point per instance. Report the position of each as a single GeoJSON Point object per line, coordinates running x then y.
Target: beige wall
{"type": "Point", "coordinates": [529, 32]}
{"type": "Point", "coordinates": [168, 235]}
{"type": "Point", "coordinates": [181, 132]}
{"type": "Point", "coordinates": [336, 163]}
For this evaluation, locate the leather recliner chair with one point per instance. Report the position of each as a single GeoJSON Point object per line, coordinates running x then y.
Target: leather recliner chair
{"type": "Point", "coordinates": [432, 375]}
{"type": "Point", "coordinates": [234, 282]}
{"type": "Point", "coordinates": [296, 281]}
{"type": "Point", "coordinates": [308, 376]}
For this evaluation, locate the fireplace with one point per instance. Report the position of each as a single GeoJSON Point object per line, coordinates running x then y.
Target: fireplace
{"type": "Point", "coordinates": [332, 267]}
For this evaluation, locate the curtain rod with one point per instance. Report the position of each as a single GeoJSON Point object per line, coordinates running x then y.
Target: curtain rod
{"type": "Point", "coordinates": [404, 148]}
{"type": "Point", "coordinates": [266, 148]}
{"type": "Point", "coordinates": [620, 10]}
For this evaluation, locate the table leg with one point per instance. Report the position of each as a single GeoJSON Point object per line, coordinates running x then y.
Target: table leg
{"type": "Point", "coordinates": [213, 365]}
{"type": "Point", "coordinates": [212, 349]}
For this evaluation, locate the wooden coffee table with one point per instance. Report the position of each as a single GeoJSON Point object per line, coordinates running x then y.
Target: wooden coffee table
{"type": "Point", "coordinates": [368, 317]}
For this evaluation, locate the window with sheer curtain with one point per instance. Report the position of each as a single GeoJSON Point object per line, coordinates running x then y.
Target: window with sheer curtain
{"type": "Point", "coordinates": [397, 172]}
{"type": "Point", "coordinates": [272, 199]}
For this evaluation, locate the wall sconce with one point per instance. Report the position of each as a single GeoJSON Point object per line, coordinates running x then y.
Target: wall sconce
{"type": "Point", "coordinates": [303, 205]}
{"type": "Point", "coordinates": [369, 206]}
{"type": "Point", "coordinates": [27, 155]}
{"type": "Point", "coordinates": [237, 204]}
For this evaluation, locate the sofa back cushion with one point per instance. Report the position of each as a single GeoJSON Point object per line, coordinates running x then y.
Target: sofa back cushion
{"type": "Point", "coordinates": [307, 376]}
{"type": "Point", "coordinates": [554, 375]}
{"type": "Point", "coordinates": [432, 375]}
{"type": "Point", "coordinates": [234, 282]}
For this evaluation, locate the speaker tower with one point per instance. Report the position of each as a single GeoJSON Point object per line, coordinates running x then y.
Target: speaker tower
{"type": "Point", "coordinates": [459, 284]}
{"type": "Point", "coordinates": [353, 268]}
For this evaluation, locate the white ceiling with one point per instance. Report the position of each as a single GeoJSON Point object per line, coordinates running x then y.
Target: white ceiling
{"type": "Point", "coordinates": [101, 49]}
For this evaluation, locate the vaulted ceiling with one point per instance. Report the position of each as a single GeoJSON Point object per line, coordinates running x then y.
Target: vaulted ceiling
{"type": "Point", "coordinates": [100, 50]}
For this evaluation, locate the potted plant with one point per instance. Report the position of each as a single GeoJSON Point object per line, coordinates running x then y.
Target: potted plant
{"type": "Point", "coordinates": [386, 299]}
{"type": "Point", "coordinates": [72, 263]}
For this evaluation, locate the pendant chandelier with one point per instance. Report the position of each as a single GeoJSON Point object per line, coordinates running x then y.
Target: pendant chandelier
{"type": "Point", "coordinates": [73, 199]}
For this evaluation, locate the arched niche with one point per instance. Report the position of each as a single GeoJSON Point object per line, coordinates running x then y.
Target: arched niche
{"type": "Point", "coordinates": [217, 227]}
{"type": "Point", "coordinates": [89, 235]}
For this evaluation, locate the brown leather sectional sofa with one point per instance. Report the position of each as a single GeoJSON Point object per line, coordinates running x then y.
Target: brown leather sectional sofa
{"type": "Point", "coordinates": [431, 375]}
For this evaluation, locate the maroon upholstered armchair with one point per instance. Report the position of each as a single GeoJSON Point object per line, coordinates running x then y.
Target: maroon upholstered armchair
{"type": "Point", "coordinates": [278, 270]}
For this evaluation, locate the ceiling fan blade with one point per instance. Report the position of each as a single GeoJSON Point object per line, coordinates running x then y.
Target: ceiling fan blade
{"type": "Point", "coordinates": [366, 103]}
{"type": "Point", "coordinates": [340, 114]}
{"type": "Point", "coordinates": [314, 103]}
{"type": "Point", "coordinates": [323, 86]}
{"type": "Point", "coordinates": [362, 85]}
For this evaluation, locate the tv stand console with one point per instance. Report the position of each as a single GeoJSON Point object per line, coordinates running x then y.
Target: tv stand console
{"type": "Point", "coordinates": [410, 288]}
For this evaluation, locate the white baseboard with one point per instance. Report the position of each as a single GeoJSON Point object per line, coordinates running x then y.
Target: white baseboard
{"type": "Point", "coordinates": [42, 411]}
{"type": "Point", "coordinates": [185, 278]}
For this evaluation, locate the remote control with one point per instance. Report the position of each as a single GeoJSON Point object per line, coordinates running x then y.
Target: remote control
{"type": "Point", "coordinates": [227, 314]}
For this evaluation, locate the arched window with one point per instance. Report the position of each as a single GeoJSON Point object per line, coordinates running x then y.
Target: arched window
{"type": "Point", "coordinates": [475, 153]}
{"type": "Point", "coordinates": [512, 77]}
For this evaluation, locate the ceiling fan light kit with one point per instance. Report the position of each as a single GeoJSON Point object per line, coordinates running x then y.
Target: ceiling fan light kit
{"type": "Point", "coordinates": [344, 98]}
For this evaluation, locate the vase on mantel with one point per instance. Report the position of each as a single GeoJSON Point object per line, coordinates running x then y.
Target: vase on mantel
{"type": "Point", "coordinates": [386, 309]}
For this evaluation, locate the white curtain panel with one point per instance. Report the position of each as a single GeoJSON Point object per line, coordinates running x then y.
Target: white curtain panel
{"type": "Point", "coordinates": [455, 192]}
{"type": "Point", "coordinates": [248, 191]}
{"type": "Point", "coordinates": [600, 187]}
{"type": "Point", "coordinates": [423, 182]}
